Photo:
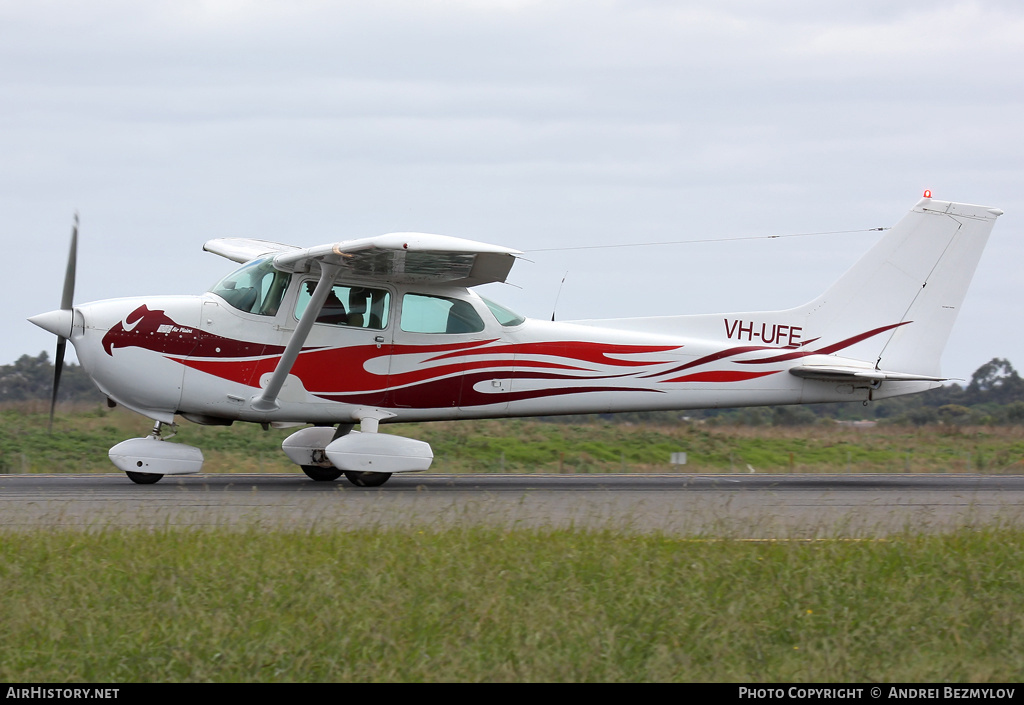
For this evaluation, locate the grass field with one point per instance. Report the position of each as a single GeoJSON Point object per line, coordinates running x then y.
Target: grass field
{"type": "Point", "coordinates": [486, 605]}
{"type": "Point", "coordinates": [82, 436]}
{"type": "Point", "coordinates": [479, 604]}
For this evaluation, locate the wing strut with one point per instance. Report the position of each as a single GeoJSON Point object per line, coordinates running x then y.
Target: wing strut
{"type": "Point", "coordinates": [267, 400]}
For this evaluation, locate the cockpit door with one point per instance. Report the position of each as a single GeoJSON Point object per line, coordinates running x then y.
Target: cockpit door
{"type": "Point", "coordinates": [346, 357]}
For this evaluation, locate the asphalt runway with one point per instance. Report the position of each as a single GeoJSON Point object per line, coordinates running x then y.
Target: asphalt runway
{"type": "Point", "coordinates": [735, 506]}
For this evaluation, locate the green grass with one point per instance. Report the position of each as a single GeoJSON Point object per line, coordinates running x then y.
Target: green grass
{"type": "Point", "coordinates": [479, 604]}
{"type": "Point", "coordinates": [83, 435]}
{"type": "Point", "coordinates": [474, 604]}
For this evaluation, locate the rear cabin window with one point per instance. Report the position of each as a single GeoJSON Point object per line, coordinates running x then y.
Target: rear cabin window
{"type": "Point", "coordinates": [422, 313]}
{"type": "Point", "coordinates": [506, 317]}
{"type": "Point", "coordinates": [352, 306]}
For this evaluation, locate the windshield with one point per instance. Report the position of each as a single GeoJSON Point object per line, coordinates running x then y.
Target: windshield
{"type": "Point", "coordinates": [255, 288]}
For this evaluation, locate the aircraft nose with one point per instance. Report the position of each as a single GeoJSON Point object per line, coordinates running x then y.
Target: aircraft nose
{"type": "Point", "coordinates": [58, 322]}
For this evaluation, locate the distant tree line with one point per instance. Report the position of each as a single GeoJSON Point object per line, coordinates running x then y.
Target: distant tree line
{"type": "Point", "coordinates": [995, 395]}
{"type": "Point", "coordinates": [31, 378]}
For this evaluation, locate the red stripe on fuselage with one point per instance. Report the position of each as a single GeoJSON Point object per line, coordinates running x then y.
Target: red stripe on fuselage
{"type": "Point", "coordinates": [722, 376]}
{"type": "Point", "coordinates": [597, 353]}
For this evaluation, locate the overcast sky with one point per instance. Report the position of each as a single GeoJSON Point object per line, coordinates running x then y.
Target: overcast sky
{"type": "Point", "coordinates": [526, 124]}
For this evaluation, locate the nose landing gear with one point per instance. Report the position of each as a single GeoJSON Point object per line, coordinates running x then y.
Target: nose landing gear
{"type": "Point", "coordinates": [146, 460]}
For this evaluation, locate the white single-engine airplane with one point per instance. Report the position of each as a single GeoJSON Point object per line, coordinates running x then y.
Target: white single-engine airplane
{"type": "Point", "coordinates": [389, 329]}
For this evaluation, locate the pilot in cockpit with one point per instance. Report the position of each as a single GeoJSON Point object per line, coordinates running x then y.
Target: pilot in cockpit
{"type": "Point", "coordinates": [333, 310]}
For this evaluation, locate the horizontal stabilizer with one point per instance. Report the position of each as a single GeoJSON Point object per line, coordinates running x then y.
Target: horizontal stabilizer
{"type": "Point", "coordinates": [833, 373]}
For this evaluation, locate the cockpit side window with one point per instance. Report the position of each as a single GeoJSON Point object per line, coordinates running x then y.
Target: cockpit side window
{"type": "Point", "coordinates": [255, 288]}
{"type": "Point", "coordinates": [352, 306]}
{"type": "Point", "coordinates": [423, 313]}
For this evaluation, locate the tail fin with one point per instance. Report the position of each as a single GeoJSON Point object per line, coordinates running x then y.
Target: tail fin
{"type": "Point", "coordinates": [902, 297]}
{"type": "Point", "coordinates": [888, 317]}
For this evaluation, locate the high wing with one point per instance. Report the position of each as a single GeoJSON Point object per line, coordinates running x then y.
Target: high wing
{"type": "Point", "coordinates": [404, 258]}
{"type": "Point", "coordinates": [243, 249]}
{"type": "Point", "coordinates": [409, 258]}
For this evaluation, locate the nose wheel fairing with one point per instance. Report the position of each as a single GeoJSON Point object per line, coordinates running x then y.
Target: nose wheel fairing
{"type": "Point", "coordinates": [153, 456]}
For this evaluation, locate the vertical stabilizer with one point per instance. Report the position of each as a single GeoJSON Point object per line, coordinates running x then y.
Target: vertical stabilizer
{"type": "Point", "coordinates": [909, 286]}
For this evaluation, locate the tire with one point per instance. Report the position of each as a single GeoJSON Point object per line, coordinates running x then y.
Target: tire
{"type": "Point", "coordinates": [319, 474]}
{"type": "Point", "coordinates": [367, 479]}
{"type": "Point", "coordinates": [143, 478]}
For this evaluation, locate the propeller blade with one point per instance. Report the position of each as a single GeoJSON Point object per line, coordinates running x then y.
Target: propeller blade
{"type": "Point", "coordinates": [58, 367]}
{"type": "Point", "coordinates": [68, 294]}
{"type": "Point", "coordinates": [66, 301]}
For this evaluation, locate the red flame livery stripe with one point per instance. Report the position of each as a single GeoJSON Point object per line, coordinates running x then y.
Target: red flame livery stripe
{"type": "Point", "coordinates": [156, 331]}
{"type": "Point", "coordinates": [722, 376]}
{"type": "Point", "coordinates": [444, 375]}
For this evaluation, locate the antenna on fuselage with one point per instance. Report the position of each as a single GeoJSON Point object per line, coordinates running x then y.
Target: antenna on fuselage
{"type": "Point", "coordinates": [558, 295]}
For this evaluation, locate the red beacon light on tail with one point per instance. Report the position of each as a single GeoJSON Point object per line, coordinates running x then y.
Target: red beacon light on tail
{"type": "Point", "coordinates": [927, 193]}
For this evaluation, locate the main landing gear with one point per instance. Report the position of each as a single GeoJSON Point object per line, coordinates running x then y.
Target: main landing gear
{"type": "Point", "coordinates": [365, 457]}
{"type": "Point", "coordinates": [359, 479]}
{"type": "Point", "coordinates": [319, 474]}
{"type": "Point", "coordinates": [367, 479]}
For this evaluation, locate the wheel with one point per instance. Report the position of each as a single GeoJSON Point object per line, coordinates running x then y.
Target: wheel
{"type": "Point", "coordinates": [367, 479]}
{"type": "Point", "coordinates": [143, 478]}
{"type": "Point", "coordinates": [319, 474]}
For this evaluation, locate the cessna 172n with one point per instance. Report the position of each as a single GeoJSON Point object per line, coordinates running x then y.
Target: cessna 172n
{"type": "Point", "coordinates": [389, 329]}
